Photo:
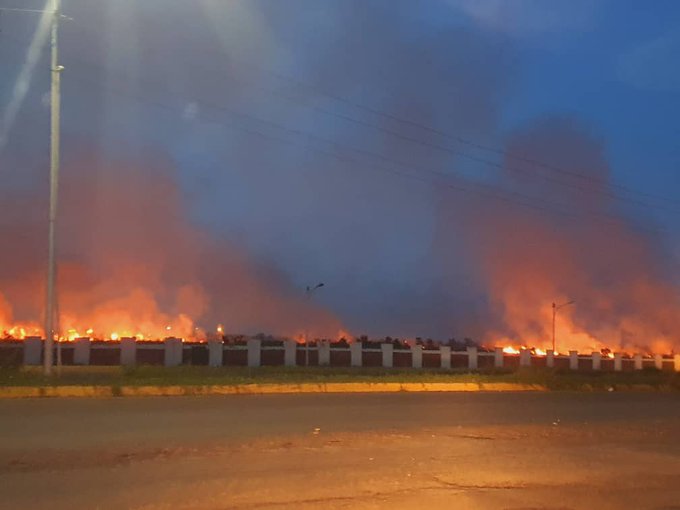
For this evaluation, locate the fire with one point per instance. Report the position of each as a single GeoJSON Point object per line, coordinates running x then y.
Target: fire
{"type": "Point", "coordinates": [510, 350]}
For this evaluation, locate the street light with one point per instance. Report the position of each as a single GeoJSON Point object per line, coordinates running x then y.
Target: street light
{"type": "Point", "coordinates": [308, 294]}
{"type": "Point", "coordinates": [53, 10]}
{"type": "Point", "coordinates": [555, 308]}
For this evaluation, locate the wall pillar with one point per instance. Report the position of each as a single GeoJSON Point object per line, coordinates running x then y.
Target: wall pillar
{"type": "Point", "coordinates": [81, 351]}
{"type": "Point", "coordinates": [290, 353]}
{"type": "Point", "coordinates": [445, 353]}
{"type": "Point", "coordinates": [254, 352]}
{"type": "Point", "coordinates": [355, 350]}
{"type": "Point", "coordinates": [387, 355]}
{"type": "Point", "coordinates": [473, 361]}
{"type": "Point", "coordinates": [324, 352]}
{"type": "Point", "coordinates": [33, 347]}
{"type": "Point", "coordinates": [128, 352]}
{"type": "Point", "coordinates": [637, 361]}
{"type": "Point", "coordinates": [597, 360]}
{"type": "Point", "coordinates": [525, 358]}
{"type": "Point", "coordinates": [417, 356]}
{"type": "Point", "coordinates": [573, 360]}
{"type": "Point", "coordinates": [173, 351]}
{"type": "Point", "coordinates": [676, 362]}
{"type": "Point", "coordinates": [658, 361]}
{"type": "Point", "coordinates": [215, 353]}
{"type": "Point", "coordinates": [618, 362]}
{"type": "Point", "coordinates": [550, 358]}
{"type": "Point", "coordinates": [498, 357]}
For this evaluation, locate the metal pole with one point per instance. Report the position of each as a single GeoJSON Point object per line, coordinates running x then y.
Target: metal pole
{"type": "Point", "coordinates": [54, 187]}
{"type": "Point", "coordinates": [308, 295]}
{"type": "Point", "coordinates": [554, 307]}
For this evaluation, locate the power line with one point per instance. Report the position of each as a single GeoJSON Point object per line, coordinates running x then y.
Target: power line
{"type": "Point", "coordinates": [485, 191]}
{"type": "Point", "coordinates": [469, 157]}
{"type": "Point", "coordinates": [547, 166]}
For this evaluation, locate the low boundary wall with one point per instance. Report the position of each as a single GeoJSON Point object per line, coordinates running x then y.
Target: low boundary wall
{"type": "Point", "coordinates": [255, 353]}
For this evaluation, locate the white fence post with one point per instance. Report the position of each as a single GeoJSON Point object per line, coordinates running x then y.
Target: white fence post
{"type": "Point", "coordinates": [550, 358]}
{"type": "Point", "coordinates": [173, 351]}
{"type": "Point", "coordinates": [254, 352]}
{"type": "Point", "coordinates": [324, 353]}
{"type": "Point", "coordinates": [525, 358]}
{"type": "Point", "coordinates": [573, 360]}
{"type": "Point", "coordinates": [417, 356]}
{"type": "Point", "coordinates": [597, 360]}
{"type": "Point", "coordinates": [355, 351]}
{"type": "Point", "coordinates": [473, 361]}
{"type": "Point", "coordinates": [81, 351]}
{"type": "Point", "coordinates": [658, 361]}
{"type": "Point", "coordinates": [618, 362]}
{"type": "Point", "coordinates": [128, 352]}
{"type": "Point", "coordinates": [445, 353]}
{"type": "Point", "coordinates": [215, 353]}
{"type": "Point", "coordinates": [290, 353]}
{"type": "Point", "coordinates": [498, 357]}
{"type": "Point", "coordinates": [637, 360]}
{"type": "Point", "coordinates": [33, 347]}
{"type": "Point", "coordinates": [387, 355]}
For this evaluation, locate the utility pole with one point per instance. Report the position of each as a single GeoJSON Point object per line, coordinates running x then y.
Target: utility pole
{"type": "Point", "coordinates": [55, 69]}
{"type": "Point", "coordinates": [554, 310]}
{"type": "Point", "coordinates": [55, 104]}
{"type": "Point", "coordinates": [308, 295]}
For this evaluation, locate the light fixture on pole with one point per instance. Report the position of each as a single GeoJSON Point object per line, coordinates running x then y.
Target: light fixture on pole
{"type": "Point", "coordinates": [556, 307]}
{"type": "Point", "coordinates": [308, 294]}
{"type": "Point", "coordinates": [50, 299]}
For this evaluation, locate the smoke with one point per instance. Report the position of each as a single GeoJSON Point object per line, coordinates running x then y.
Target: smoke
{"type": "Point", "coordinates": [131, 262]}
{"type": "Point", "coordinates": [587, 251]}
{"type": "Point", "coordinates": [317, 177]}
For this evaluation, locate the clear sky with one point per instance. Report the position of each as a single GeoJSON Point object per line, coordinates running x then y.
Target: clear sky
{"type": "Point", "coordinates": [327, 139]}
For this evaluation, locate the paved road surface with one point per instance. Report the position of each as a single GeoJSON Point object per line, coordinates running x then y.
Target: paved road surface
{"type": "Point", "coordinates": [450, 451]}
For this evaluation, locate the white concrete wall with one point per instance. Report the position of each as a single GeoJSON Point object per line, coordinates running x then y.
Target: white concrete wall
{"type": "Point", "coordinates": [417, 356]}
{"type": "Point", "coordinates": [33, 351]}
{"type": "Point", "coordinates": [473, 360]}
{"type": "Point", "coordinates": [597, 360]}
{"type": "Point", "coordinates": [573, 360]}
{"type": "Point", "coordinates": [355, 350]}
{"type": "Point", "coordinates": [290, 353]}
{"type": "Point", "coordinates": [387, 355]}
{"type": "Point", "coordinates": [498, 357]}
{"type": "Point", "coordinates": [173, 352]}
{"type": "Point", "coordinates": [618, 362]}
{"type": "Point", "coordinates": [550, 358]}
{"type": "Point", "coordinates": [215, 353]}
{"type": "Point", "coordinates": [525, 358]}
{"type": "Point", "coordinates": [81, 351]}
{"type": "Point", "coordinates": [637, 360]}
{"type": "Point", "coordinates": [254, 352]}
{"type": "Point", "coordinates": [658, 361]}
{"type": "Point", "coordinates": [445, 353]}
{"type": "Point", "coordinates": [128, 352]}
{"type": "Point", "coordinates": [324, 350]}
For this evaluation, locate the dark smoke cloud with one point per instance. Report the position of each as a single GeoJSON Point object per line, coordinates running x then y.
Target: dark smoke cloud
{"type": "Point", "coordinates": [194, 209]}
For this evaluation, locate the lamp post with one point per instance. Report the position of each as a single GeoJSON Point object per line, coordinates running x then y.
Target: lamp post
{"type": "Point", "coordinates": [554, 309]}
{"type": "Point", "coordinates": [308, 295]}
{"type": "Point", "coordinates": [53, 9]}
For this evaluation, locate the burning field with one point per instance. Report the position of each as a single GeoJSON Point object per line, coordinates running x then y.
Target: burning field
{"type": "Point", "coordinates": [131, 264]}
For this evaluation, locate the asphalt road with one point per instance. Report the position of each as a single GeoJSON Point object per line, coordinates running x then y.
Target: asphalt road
{"type": "Point", "coordinates": [538, 451]}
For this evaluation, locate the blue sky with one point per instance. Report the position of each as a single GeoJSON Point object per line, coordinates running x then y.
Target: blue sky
{"type": "Point", "coordinates": [289, 125]}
